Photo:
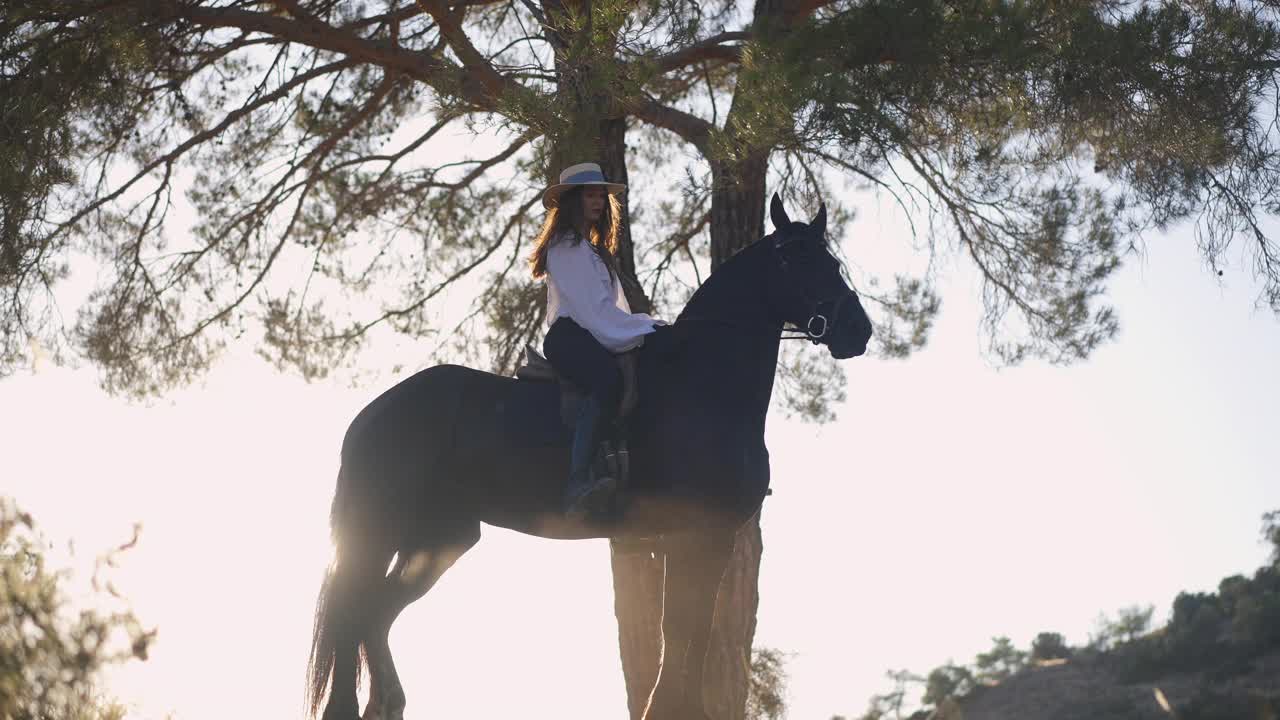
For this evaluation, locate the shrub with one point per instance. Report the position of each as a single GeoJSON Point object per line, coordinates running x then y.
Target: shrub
{"type": "Point", "coordinates": [950, 680]}
{"type": "Point", "coordinates": [1001, 661]}
{"type": "Point", "coordinates": [1049, 646]}
{"type": "Point", "coordinates": [767, 686]}
{"type": "Point", "coordinates": [49, 656]}
{"type": "Point", "coordinates": [1271, 534]}
{"type": "Point", "coordinates": [1195, 630]}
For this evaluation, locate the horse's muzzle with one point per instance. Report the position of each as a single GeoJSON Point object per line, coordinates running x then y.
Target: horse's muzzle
{"type": "Point", "coordinates": [852, 330]}
{"type": "Point", "coordinates": [844, 351]}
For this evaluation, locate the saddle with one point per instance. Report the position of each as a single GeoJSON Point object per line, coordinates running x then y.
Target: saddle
{"type": "Point", "coordinates": [538, 368]}
{"type": "Point", "coordinates": [615, 455]}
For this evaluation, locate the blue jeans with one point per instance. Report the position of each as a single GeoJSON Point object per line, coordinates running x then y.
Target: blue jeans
{"type": "Point", "coordinates": [583, 361]}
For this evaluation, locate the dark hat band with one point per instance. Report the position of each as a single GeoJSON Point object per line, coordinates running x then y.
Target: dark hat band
{"type": "Point", "coordinates": [585, 176]}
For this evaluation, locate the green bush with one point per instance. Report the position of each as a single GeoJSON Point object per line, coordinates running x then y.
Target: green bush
{"type": "Point", "coordinates": [767, 685]}
{"type": "Point", "coordinates": [1129, 624]}
{"type": "Point", "coordinates": [1001, 661]}
{"type": "Point", "coordinates": [1231, 590]}
{"type": "Point", "coordinates": [1050, 646]}
{"type": "Point", "coordinates": [1194, 635]}
{"type": "Point", "coordinates": [1255, 617]}
{"type": "Point", "coordinates": [50, 656]}
{"type": "Point", "coordinates": [1271, 534]}
{"type": "Point", "coordinates": [950, 680]}
{"type": "Point", "coordinates": [1143, 659]}
{"type": "Point", "coordinates": [1219, 631]}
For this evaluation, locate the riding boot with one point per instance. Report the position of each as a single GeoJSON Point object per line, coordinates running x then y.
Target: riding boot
{"type": "Point", "coordinates": [624, 464]}
{"type": "Point", "coordinates": [587, 491]}
{"type": "Point", "coordinates": [617, 463]}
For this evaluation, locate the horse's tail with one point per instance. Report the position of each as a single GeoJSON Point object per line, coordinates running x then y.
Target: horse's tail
{"type": "Point", "coordinates": [323, 648]}
{"type": "Point", "coordinates": [335, 608]}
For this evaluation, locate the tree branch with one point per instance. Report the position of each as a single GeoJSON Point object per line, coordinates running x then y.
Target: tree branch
{"type": "Point", "coordinates": [360, 329]}
{"type": "Point", "coordinates": [691, 128]}
{"type": "Point", "coordinates": [478, 67]}
{"type": "Point", "coordinates": [423, 66]}
{"type": "Point", "coordinates": [230, 119]}
{"type": "Point", "coordinates": [679, 241]}
{"type": "Point", "coordinates": [709, 49]}
{"type": "Point", "coordinates": [484, 165]}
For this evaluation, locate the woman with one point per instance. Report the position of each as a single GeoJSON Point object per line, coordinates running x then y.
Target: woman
{"type": "Point", "coordinates": [587, 313]}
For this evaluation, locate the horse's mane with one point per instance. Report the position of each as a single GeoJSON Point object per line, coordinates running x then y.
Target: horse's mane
{"type": "Point", "coordinates": [710, 295]}
{"type": "Point", "coordinates": [705, 298]}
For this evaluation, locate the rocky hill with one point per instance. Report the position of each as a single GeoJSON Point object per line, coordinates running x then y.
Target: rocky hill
{"type": "Point", "coordinates": [1096, 687]}
{"type": "Point", "coordinates": [1217, 658]}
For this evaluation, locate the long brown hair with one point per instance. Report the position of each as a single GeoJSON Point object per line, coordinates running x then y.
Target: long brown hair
{"type": "Point", "coordinates": [562, 224]}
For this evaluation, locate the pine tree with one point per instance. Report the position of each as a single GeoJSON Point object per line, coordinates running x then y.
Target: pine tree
{"type": "Point", "coordinates": [317, 142]}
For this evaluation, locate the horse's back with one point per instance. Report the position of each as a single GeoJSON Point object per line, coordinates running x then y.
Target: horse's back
{"type": "Point", "coordinates": [450, 437]}
{"type": "Point", "coordinates": [419, 403]}
{"type": "Point", "coordinates": [467, 406]}
{"type": "Point", "coordinates": [398, 457]}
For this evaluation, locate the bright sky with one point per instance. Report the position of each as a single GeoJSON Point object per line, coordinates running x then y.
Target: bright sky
{"type": "Point", "coordinates": [950, 503]}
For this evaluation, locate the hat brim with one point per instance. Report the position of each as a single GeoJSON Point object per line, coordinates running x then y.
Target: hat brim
{"type": "Point", "coordinates": [551, 196]}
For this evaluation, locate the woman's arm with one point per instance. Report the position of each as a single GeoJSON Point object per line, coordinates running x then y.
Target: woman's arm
{"type": "Point", "coordinates": [586, 293]}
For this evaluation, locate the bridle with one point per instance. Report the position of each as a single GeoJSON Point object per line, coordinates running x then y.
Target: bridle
{"type": "Point", "coordinates": [816, 327]}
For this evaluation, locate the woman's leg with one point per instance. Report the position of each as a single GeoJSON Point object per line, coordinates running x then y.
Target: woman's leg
{"type": "Point", "coordinates": [577, 357]}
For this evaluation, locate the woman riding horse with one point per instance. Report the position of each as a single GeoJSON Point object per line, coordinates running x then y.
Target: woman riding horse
{"type": "Point", "coordinates": [589, 319]}
{"type": "Point", "coordinates": [450, 448]}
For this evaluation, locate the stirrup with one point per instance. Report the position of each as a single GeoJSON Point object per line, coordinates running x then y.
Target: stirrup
{"type": "Point", "coordinates": [594, 498]}
{"type": "Point", "coordinates": [618, 462]}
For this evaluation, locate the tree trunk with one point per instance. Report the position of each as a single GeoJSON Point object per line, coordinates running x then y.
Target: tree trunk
{"type": "Point", "coordinates": [598, 133]}
{"type": "Point", "coordinates": [737, 205]}
{"type": "Point", "coordinates": [613, 160]}
{"type": "Point", "coordinates": [598, 129]}
{"type": "Point", "coordinates": [737, 219]}
{"type": "Point", "coordinates": [637, 577]}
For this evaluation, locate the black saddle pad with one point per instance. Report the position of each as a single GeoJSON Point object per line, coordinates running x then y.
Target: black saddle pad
{"type": "Point", "coordinates": [531, 415]}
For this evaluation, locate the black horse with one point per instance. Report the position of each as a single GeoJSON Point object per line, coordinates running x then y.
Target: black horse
{"type": "Point", "coordinates": [450, 448]}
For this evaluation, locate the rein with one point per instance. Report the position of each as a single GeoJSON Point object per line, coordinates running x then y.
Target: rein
{"type": "Point", "coordinates": [814, 330]}
{"type": "Point", "coordinates": [754, 327]}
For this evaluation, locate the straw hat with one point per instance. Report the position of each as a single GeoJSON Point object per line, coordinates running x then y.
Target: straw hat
{"type": "Point", "coordinates": [576, 175]}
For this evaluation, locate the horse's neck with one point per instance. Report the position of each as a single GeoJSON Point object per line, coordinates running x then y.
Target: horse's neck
{"type": "Point", "coordinates": [735, 334]}
{"type": "Point", "coordinates": [734, 293]}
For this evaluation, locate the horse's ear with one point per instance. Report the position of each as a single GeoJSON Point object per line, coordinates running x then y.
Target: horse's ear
{"type": "Point", "coordinates": [819, 223]}
{"type": "Point", "coordinates": [778, 213]}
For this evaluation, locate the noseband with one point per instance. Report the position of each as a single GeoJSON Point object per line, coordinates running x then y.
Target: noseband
{"type": "Point", "coordinates": [816, 327]}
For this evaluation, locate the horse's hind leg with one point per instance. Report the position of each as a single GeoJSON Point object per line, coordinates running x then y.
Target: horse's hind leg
{"type": "Point", "coordinates": [342, 621]}
{"type": "Point", "coordinates": [414, 574]}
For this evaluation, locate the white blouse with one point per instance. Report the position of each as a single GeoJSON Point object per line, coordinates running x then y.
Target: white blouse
{"type": "Point", "coordinates": [580, 288]}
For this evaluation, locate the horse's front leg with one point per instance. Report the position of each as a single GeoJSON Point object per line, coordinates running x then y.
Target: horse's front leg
{"type": "Point", "coordinates": [695, 563]}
